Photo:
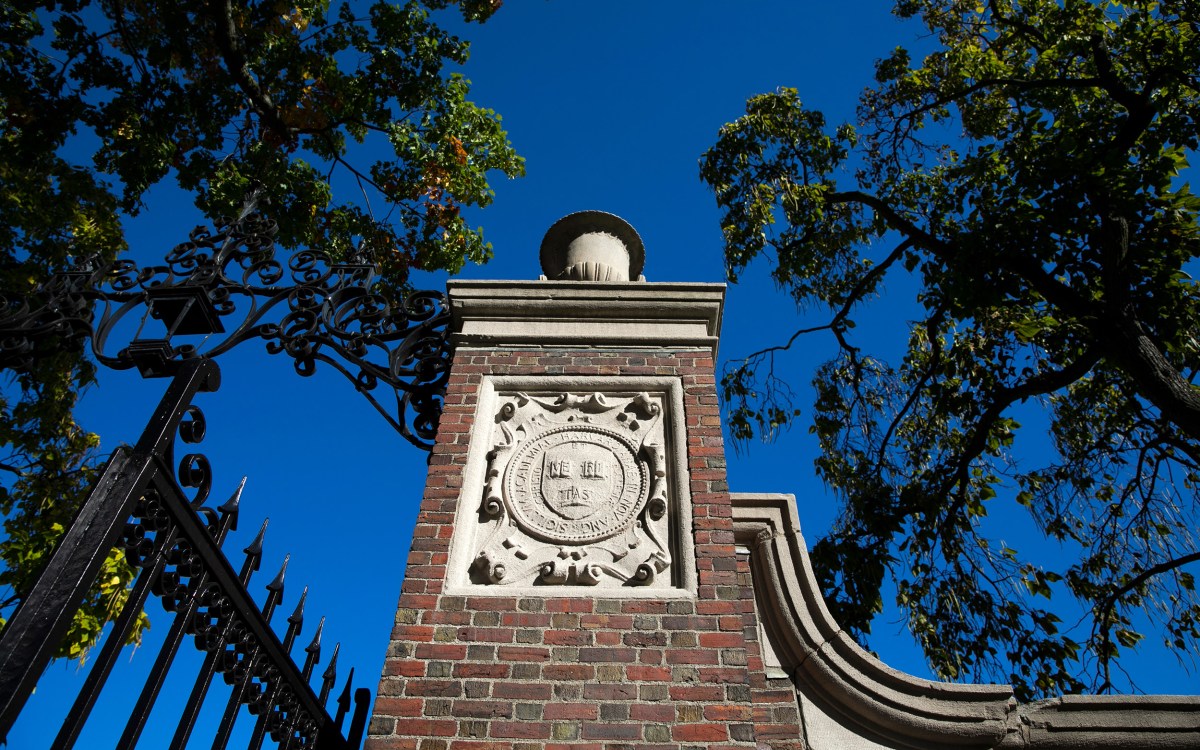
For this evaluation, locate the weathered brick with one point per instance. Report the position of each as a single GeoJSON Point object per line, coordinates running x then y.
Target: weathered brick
{"type": "Point", "coordinates": [477, 688]}
{"type": "Point", "coordinates": [728, 712]}
{"type": "Point", "coordinates": [444, 651]}
{"type": "Point", "coordinates": [436, 688]}
{"type": "Point", "coordinates": [610, 692]}
{"type": "Point", "coordinates": [562, 672]}
{"type": "Point", "coordinates": [567, 637]}
{"type": "Point", "coordinates": [472, 728]}
{"type": "Point", "coordinates": [598, 731]}
{"type": "Point", "coordinates": [528, 636]}
{"type": "Point", "coordinates": [528, 711]}
{"type": "Point", "coordinates": [648, 674]}
{"type": "Point", "coordinates": [482, 709]}
{"type": "Point", "coordinates": [641, 640]}
{"type": "Point", "coordinates": [657, 733]}
{"type": "Point", "coordinates": [708, 693]}
{"type": "Point", "coordinates": [522, 653]}
{"type": "Point", "coordinates": [700, 732]}
{"type": "Point", "coordinates": [610, 673]}
{"type": "Point", "coordinates": [427, 727]}
{"type": "Point", "coordinates": [526, 671]}
{"type": "Point", "coordinates": [386, 706]}
{"type": "Point", "coordinates": [608, 655]}
{"type": "Point", "coordinates": [614, 711]}
{"type": "Point", "coordinates": [488, 671]}
{"type": "Point", "coordinates": [486, 635]}
{"type": "Point", "coordinates": [481, 652]}
{"type": "Point", "coordinates": [556, 711]}
{"type": "Point", "coordinates": [522, 690]}
{"type": "Point", "coordinates": [533, 730]}
{"type": "Point", "coordinates": [721, 640]}
{"type": "Point", "coordinates": [692, 656]}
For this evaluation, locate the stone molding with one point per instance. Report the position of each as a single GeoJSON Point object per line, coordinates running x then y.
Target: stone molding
{"type": "Point", "coordinates": [862, 697]}
{"type": "Point", "coordinates": [558, 314]}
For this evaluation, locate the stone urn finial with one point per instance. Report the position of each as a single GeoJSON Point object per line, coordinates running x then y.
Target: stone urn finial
{"type": "Point", "coordinates": [592, 246]}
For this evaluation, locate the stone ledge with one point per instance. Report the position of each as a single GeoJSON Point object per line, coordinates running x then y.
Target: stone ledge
{"type": "Point", "coordinates": [574, 313]}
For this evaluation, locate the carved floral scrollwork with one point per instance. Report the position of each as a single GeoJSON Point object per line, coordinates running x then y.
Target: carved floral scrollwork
{"type": "Point", "coordinates": [576, 493]}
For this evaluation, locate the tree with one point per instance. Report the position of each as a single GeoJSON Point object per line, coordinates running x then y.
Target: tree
{"type": "Point", "coordinates": [1029, 174]}
{"type": "Point", "coordinates": [345, 118]}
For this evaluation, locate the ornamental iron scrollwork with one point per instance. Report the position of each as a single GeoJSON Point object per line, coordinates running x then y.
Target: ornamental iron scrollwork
{"type": "Point", "coordinates": [225, 286]}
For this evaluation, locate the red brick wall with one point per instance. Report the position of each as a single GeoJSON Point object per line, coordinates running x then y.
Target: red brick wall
{"type": "Point", "coordinates": [581, 672]}
{"type": "Point", "coordinates": [776, 710]}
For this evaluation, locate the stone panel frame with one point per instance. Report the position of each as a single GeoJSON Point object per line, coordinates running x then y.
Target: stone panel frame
{"type": "Point", "coordinates": [492, 390]}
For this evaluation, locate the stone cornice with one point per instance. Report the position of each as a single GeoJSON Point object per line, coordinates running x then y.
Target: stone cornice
{"type": "Point", "coordinates": [876, 701]}
{"type": "Point", "coordinates": [573, 313]}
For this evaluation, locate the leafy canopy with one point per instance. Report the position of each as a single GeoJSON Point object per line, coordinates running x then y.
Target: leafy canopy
{"type": "Point", "coordinates": [345, 114]}
{"type": "Point", "coordinates": [1030, 174]}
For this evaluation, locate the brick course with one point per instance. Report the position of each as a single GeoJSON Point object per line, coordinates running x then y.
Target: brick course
{"type": "Point", "coordinates": [541, 673]}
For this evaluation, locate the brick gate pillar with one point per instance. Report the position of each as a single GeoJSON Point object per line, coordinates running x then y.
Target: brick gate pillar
{"type": "Point", "coordinates": [573, 579]}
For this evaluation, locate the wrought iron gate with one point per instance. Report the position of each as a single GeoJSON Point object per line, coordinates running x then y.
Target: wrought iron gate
{"type": "Point", "coordinates": [327, 311]}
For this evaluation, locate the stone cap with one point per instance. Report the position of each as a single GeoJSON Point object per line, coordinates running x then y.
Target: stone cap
{"type": "Point", "coordinates": [592, 246]}
{"type": "Point", "coordinates": [585, 314]}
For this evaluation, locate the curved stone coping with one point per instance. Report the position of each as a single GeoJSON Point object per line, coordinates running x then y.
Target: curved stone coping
{"type": "Point", "coordinates": [862, 691]}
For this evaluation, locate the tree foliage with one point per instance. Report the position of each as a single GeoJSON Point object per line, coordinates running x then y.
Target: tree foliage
{"type": "Point", "coordinates": [1029, 173]}
{"type": "Point", "coordinates": [346, 117]}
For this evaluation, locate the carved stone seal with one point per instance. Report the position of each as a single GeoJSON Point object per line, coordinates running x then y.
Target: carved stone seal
{"type": "Point", "coordinates": [576, 484]}
{"type": "Point", "coordinates": [577, 493]}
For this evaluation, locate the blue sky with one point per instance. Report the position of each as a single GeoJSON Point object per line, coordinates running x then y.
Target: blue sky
{"type": "Point", "coordinates": [612, 105]}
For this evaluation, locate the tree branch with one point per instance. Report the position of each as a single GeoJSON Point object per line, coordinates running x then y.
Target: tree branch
{"type": "Point", "coordinates": [227, 38]}
{"type": "Point", "coordinates": [1007, 20]}
{"type": "Point", "coordinates": [1042, 383]}
{"type": "Point", "coordinates": [1106, 607]}
{"type": "Point", "coordinates": [1030, 84]}
{"type": "Point", "coordinates": [835, 323]}
{"type": "Point", "coordinates": [894, 219]}
{"type": "Point", "coordinates": [935, 361]}
{"type": "Point", "coordinates": [1130, 347]}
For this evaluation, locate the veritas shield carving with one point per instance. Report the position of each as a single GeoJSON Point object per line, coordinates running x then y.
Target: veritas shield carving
{"type": "Point", "coordinates": [578, 477]}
